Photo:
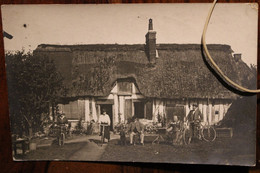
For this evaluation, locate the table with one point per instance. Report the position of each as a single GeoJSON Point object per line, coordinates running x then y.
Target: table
{"type": "Point", "coordinates": [160, 132]}
{"type": "Point", "coordinates": [22, 141]}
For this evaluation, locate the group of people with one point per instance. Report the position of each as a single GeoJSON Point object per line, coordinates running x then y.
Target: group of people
{"type": "Point", "coordinates": [174, 130]}
{"type": "Point", "coordinates": [136, 128]}
{"type": "Point", "coordinates": [176, 127]}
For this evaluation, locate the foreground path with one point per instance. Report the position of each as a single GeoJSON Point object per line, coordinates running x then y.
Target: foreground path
{"type": "Point", "coordinates": [92, 150]}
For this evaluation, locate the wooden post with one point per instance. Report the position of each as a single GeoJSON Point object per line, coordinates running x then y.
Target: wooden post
{"type": "Point", "coordinates": [221, 111]}
{"type": "Point", "coordinates": [94, 111]}
{"type": "Point", "coordinates": [87, 118]}
{"type": "Point", "coordinates": [154, 110]}
{"type": "Point", "coordinates": [116, 107]}
{"type": "Point", "coordinates": [160, 104]}
{"type": "Point", "coordinates": [187, 109]}
{"type": "Point", "coordinates": [210, 113]}
{"type": "Point", "coordinates": [122, 107]}
{"type": "Point", "coordinates": [98, 110]}
{"type": "Point", "coordinates": [204, 111]}
{"type": "Point", "coordinates": [200, 106]}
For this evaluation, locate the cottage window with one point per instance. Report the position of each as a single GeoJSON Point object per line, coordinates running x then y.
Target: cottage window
{"type": "Point", "coordinates": [124, 88]}
{"type": "Point", "coordinates": [71, 110]}
{"type": "Point", "coordinates": [74, 110]}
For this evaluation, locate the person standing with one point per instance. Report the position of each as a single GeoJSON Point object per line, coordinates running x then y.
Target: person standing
{"type": "Point", "coordinates": [177, 127]}
{"type": "Point", "coordinates": [105, 120]}
{"type": "Point", "coordinates": [62, 123]}
{"type": "Point", "coordinates": [194, 118]}
{"type": "Point", "coordinates": [62, 120]}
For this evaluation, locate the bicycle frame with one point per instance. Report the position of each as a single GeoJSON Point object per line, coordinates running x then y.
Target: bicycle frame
{"type": "Point", "coordinates": [103, 132]}
{"type": "Point", "coordinates": [61, 136]}
{"type": "Point", "coordinates": [209, 136]}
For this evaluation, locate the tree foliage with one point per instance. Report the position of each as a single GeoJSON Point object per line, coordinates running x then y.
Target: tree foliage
{"type": "Point", "coordinates": [33, 86]}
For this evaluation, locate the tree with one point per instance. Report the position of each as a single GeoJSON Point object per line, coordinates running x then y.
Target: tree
{"type": "Point", "coordinates": [34, 84]}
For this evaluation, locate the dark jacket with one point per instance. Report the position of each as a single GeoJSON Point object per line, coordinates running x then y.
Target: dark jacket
{"type": "Point", "coordinates": [194, 115]}
{"type": "Point", "coordinates": [62, 120]}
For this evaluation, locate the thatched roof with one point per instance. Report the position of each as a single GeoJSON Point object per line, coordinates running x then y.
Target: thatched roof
{"type": "Point", "coordinates": [180, 70]}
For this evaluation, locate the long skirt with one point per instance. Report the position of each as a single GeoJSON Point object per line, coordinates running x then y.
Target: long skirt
{"type": "Point", "coordinates": [106, 132]}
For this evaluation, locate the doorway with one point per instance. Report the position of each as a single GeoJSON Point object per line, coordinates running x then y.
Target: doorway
{"type": "Point", "coordinates": [139, 109]}
{"type": "Point", "coordinates": [108, 108]}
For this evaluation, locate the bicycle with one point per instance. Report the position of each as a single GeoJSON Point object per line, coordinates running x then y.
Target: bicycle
{"type": "Point", "coordinates": [103, 126]}
{"type": "Point", "coordinates": [61, 135]}
{"type": "Point", "coordinates": [205, 132]}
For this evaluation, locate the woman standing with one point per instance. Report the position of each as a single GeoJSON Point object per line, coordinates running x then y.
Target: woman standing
{"type": "Point", "coordinates": [104, 122]}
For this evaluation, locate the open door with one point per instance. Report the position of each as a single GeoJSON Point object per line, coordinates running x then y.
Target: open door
{"type": "Point", "coordinates": [139, 109]}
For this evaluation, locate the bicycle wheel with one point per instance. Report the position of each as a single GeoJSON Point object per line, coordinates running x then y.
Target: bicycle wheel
{"type": "Point", "coordinates": [187, 136]}
{"type": "Point", "coordinates": [61, 139]}
{"type": "Point", "coordinates": [208, 134]}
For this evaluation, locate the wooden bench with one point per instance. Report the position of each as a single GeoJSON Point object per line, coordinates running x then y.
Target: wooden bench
{"type": "Point", "coordinates": [224, 132]}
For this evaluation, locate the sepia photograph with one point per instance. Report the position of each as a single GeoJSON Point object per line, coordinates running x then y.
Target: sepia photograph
{"type": "Point", "coordinates": [131, 82]}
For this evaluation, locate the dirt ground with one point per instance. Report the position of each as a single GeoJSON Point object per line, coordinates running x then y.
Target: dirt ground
{"type": "Point", "coordinates": [221, 151]}
{"type": "Point", "coordinates": [225, 151]}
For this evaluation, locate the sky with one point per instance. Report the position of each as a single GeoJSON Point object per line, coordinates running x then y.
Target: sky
{"type": "Point", "coordinates": [31, 25]}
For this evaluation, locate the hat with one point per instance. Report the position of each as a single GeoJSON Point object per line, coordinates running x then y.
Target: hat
{"type": "Point", "coordinates": [175, 118]}
{"type": "Point", "coordinates": [60, 114]}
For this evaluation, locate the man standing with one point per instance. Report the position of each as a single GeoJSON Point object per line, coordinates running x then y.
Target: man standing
{"type": "Point", "coordinates": [194, 118]}
{"type": "Point", "coordinates": [104, 120]}
{"type": "Point", "coordinates": [136, 128]}
{"type": "Point", "coordinates": [62, 120]}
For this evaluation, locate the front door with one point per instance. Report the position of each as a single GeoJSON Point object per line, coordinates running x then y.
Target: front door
{"type": "Point", "coordinates": [139, 109]}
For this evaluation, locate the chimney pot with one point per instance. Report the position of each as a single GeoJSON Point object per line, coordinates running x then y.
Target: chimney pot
{"type": "Point", "coordinates": [150, 27]}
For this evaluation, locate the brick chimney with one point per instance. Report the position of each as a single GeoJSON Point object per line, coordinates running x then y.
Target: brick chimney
{"type": "Point", "coordinates": [237, 56]}
{"type": "Point", "coordinates": [150, 45]}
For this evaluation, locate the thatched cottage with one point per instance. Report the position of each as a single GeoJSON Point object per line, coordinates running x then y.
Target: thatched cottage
{"type": "Point", "coordinates": [147, 80]}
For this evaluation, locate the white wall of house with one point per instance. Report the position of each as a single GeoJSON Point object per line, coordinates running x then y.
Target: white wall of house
{"type": "Point", "coordinates": [94, 110]}
{"type": "Point", "coordinates": [122, 107]}
{"type": "Point", "coordinates": [158, 109]}
{"type": "Point", "coordinates": [87, 111]}
{"type": "Point", "coordinates": [116, 108]}
{"type": "Point", "coordinates": [213, 111]}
